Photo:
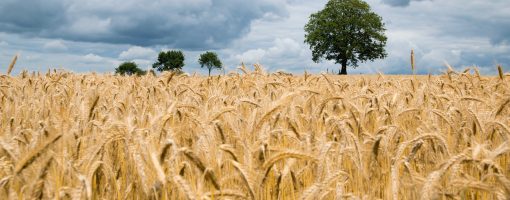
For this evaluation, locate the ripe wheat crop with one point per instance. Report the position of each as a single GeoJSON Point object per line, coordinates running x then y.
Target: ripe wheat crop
{"type": "Point", "coordinates": [253, 135]}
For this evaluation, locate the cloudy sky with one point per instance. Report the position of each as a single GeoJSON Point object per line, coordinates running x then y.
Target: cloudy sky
{"type": "Point", "coordinates": [97, 35]}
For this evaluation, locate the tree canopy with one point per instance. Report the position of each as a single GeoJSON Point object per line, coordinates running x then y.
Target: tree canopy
{"type": "Point", "coordinates": [210, 60]}
{"type": "Point", "coordinates": [129, 68]}
{"type": "Point", "coordinates": [346, 31]}
{"type": "Point", "coordinates": [170, 60]}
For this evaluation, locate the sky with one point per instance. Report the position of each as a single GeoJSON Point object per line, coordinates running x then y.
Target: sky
{"type": "Point", "coordinates": [97, 35]}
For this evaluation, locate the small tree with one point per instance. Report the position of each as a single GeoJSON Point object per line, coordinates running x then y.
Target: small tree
{"type": "Point", "coordinates": [170, 60]}
{"type": "Point", "coordinates": [129, 68]}
{"type": "Point", "coordinates": [210, 60]}
{"type": "Point", "coordinates": [346, 31]}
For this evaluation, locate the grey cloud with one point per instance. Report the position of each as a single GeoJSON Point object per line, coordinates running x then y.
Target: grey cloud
{"type": "Point", "coordinates": [32, 17]}
{"type": "Point", "coordinates": [400, 3]}
{"type": "Point", "coordinates": [56, 45]}
{"type": "Point", "coordinates": [497, 29]}
{"type": "Point", "coordinates": [396, 2]}
{"type": "Point", "coordinates": [469, 19]}
{"type": "Point", "coordinates": [489, 60]}
{"type": "Point", "coordinates": [192, 24]}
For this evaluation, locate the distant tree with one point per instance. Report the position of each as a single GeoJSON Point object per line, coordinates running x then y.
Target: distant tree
{"type": "Point", "coordinates": [210, 60]}
{"type": "Point", "coordinates": [346, 31]}
{"type": "Point", "coordinates": [170, 60]}
{"type": "Point", "coordinates": [129, 68]}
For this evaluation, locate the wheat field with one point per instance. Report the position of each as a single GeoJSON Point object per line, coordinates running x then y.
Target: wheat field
{"type": "Point", "coordinates": [253, 135]}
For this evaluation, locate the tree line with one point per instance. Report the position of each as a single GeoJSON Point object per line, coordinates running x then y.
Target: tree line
{"type": "Point", "coordinates": [172, 60]}
{"type": "Point", "coordinates": [345, 31]}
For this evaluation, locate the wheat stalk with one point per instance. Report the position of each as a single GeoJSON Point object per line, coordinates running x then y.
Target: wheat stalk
{"type": "Point", "coordinates": [247, 179]}
{"type": "Point", "coordinates": [200, 165]}
{"type": "Point", "coordinates": [184, 187]}
{"type": "Point", "coordinates": [34, 154]}
{"type": "Point", "coordinates": [412, 61]}
{"type": "Point", "coordinates": [429, 187]}
{"type": "Point", "coordinates": [287, 154]}
{"type": "Point", "coordinates": [11, 65]}
{"type": "Point", "coordinates": [500, 72]}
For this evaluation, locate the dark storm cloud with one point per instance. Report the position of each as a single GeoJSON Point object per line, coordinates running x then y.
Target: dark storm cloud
{"type": "Point", "coordinates": [191, 24]}
{"type": "Point", "coordinates": [32, 17]}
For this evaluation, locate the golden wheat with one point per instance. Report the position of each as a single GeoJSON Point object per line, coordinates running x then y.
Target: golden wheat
{"type": "Point", "coordinates": [254, 136]}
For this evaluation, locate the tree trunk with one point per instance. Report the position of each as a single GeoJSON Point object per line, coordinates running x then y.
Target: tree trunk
{"type": "Point", "coordinates": [344, 68]}
{"type": "Point", "coordinates": [209, 71]}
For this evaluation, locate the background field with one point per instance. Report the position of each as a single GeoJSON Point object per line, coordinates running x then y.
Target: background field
{"type": "Point", "coordinates": [254, 136]}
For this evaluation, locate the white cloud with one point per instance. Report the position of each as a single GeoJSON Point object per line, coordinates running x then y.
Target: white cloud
{"type": "Point", "coordinates": [286, 47]}
{"type": "Point", "coordinates": [55, 45]}
{"type": "Point", "coordinates": [143, 63]}
{"type": "Point", "coordinates": [93, 58]}
{"type": "Point", "coordinates": [284, 52]}
{"type": "Point", "coordinates": [251, 56]}
{"type": "Point", "coordinates": [137, 52]}
{"type": "Point", "coordinates": [82, 27]}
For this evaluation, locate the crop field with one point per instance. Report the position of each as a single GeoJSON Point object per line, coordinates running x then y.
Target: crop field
{"type": "Point", "coordinates": [253, 135]}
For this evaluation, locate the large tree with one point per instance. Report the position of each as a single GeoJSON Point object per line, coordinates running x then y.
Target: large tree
{"type": "Point", "coordinates": [346, 31]}
{"type": "Point", "coordinates": [210, 60]}
{"type": "Point", "coordinates": [129, 68]}
{"type": "Point", "coordinates": [170, 60]}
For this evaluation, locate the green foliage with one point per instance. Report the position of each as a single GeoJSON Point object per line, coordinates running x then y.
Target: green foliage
{"type": "Point", "coordinates": [346, 31]}
{"type": "Point", "coordinates": [170, 60]}
{"type": "Point", "coordinates": [129, 68]}
{"type": "Point", "coordinates": [210, 60]}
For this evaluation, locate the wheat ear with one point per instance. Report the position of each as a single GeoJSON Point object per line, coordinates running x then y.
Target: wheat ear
{"type": "Point", "coordinates": [34, 154]}
{"type": "Point", "coordinates": [287, 154]}
{"type": "Point", "coordinates": [500, 72]}
{"type": "Point", "coordinates": [11, 66]}
{"type": "Point", "coordinates": [248, 180]}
